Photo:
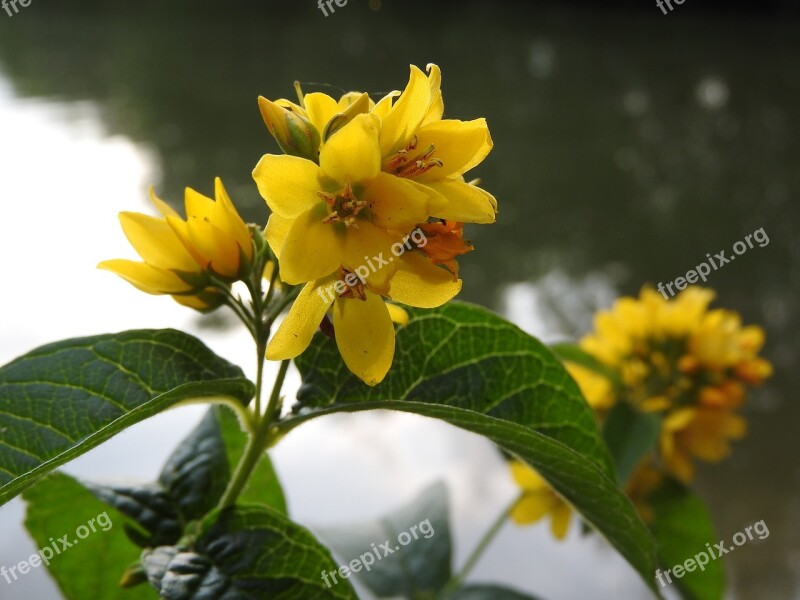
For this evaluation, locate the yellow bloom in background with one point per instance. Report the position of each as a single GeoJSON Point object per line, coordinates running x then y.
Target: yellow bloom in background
{"type": "Point", "coordinates": [704, 433]}
{"type": "Point", "coordinates": [179, 256]}
{"type": "Point", "coordinates": [678, 358]}
{"type": "Point", "coordinates": [538, 500]}
{"type": "Point", "coordinates": [596, 389]}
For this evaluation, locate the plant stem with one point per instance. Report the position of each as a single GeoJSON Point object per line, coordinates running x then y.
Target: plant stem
{"type": "Point", "coordinates": [456, 581]}
{"type": "Point", "coordinates": [258, 442]}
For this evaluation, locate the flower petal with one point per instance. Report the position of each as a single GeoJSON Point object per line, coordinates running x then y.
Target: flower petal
{"type": "Point", "coordinates": [436, 109]}
{"type": "Point", "coordinates": [276, 232]}
{"type": "Point", "coordinates": [400, 204]}
{"type": "Point", "coordinates": [561, 516]}
{"type": "Point", "coordinates": [352, 154]}
{"type": "Point", "coordinates": [295, 332]}
{"type": "Point", "coordinates": [311, 250]}
{"type": "Point", "coordinates": [530, 508]}
{"type": "Point", "coordinates": [147, 278]}
{"type": "Point", "coordinates": [320, 108]}
{"type": "Point", "coordinates": [365, 336]}
{"type": "Point", "coordinates": [418, 282]}
{"type": "Point", "coordinates": [384, 105]}
{"type": "Point", "coordinates": [366, 243]}
{"type": "Point", "coordinates": [467, 203]}
{"type": "Point", "coordinates": [154, 240]}
{"type": "Point", "coordinates": [398, 314]}
{"type": "Point", "coordinates": [289, 184]}
{"type": "Point", "coordinates": [460, 145]}
{"type": "Point", "coordinates": [165, 209]}
{"type": "Point", "coordinates": [406, 115]}
{"type": "Point", "coordinates": [221, 251]}
{"type": "Point", "coordinates": [227, 218]}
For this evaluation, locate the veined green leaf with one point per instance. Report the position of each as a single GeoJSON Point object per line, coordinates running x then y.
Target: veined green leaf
{"type": "Point", "coordinates": [247, 553]}
{"type": "Point", "coordinates": [191, 483]}
{"type": "Point", "coordinates": [682, 528]}
{"type": "Point", "coordinates": [467, 366]}
{"type": "Point", "coordinates": [90, 567]}
{"type": "Point", "coordinates": [63, 399]}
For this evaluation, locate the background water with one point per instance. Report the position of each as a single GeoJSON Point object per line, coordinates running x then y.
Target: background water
{"type": "Point", "coordinates": [628, 144]}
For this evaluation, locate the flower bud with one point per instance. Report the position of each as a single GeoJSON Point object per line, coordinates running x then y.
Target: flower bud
{"type": "Point", "coordinates": [294, 133]}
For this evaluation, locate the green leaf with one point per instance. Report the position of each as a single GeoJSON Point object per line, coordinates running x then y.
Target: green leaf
{"type": "Point", "coordinates": [488, 592]}
{"type": "Point", "coordinates": [682, 528]}
{"type": "Point", "coordinates": [63, 399]}
{"type": "Point", "coordinates": [246, 553]}
{"type": "Point", "coordinates": [406, 553]}
{"type": "Point", "coordinates": [467, 366]}
{"type": "Point", "coordinates": [630, 436]}
{"type": "Point", "coordinates": [91, 568]}
{"type": "Point", "coordinates": [573, 353]}
{"type": "Point", "coordinates": [191, 483]}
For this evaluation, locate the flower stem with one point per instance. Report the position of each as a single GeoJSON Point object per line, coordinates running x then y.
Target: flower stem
{"type": "Point", "coordinates": [258, 441]}
{"type": "Point", "coordinates": [457, 580]}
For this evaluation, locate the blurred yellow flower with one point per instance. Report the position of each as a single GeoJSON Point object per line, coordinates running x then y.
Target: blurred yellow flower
{"type": "Point", "coordinates": [538, 500]}
{"type": "Point", "coordinates": [704, 433]}
{"type": "Point", "coordinates": [596, 389]}
{"type": "Point", "coordinates": [180, 256]}
{"type": "Point", "coordinates": [678, 358]}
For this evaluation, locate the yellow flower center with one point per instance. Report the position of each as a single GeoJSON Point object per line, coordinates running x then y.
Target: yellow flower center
{"type": "Point", "coordinates": [343, 206]}
{"type": "Point", "coordinates": [405, 163]}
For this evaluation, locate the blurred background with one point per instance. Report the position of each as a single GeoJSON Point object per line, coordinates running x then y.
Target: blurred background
{"type": "Point", "coordinates": [628, 144]}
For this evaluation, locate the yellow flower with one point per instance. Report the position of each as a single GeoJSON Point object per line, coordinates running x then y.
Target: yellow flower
{"type": "Point", "coordinates": [672, 353]}
{"type": "Point", "coordinates": [703, 433]}
{"type": "Point", "coordinates": [344, 210]}
{"type": "Point", "coordinates": [538, 500]}
{"type": "Point", "coordinates": [362, 321]}
{"type": "Point", "coordinates": [678, 358]}
{"type": "Point", "coordinates": [596, 389]}
{"type": "Point", "coordinates": [416, 143]}
{"type": "Point", "coordinates": [179, 256]}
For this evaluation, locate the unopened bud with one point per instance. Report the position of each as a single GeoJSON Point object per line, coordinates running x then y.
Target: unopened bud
{"type": "Point", "coordinates": [294, 133]}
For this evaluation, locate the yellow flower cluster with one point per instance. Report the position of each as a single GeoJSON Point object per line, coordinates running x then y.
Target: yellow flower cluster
{"type": "Point", "coordinates": [677, 358]}
{"type": "Point", "coordinates": [181, 256]}
{"type": "Point", "coordinates": [357, 180]}
{"type": "Point", "coordinates": [361, 183]}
